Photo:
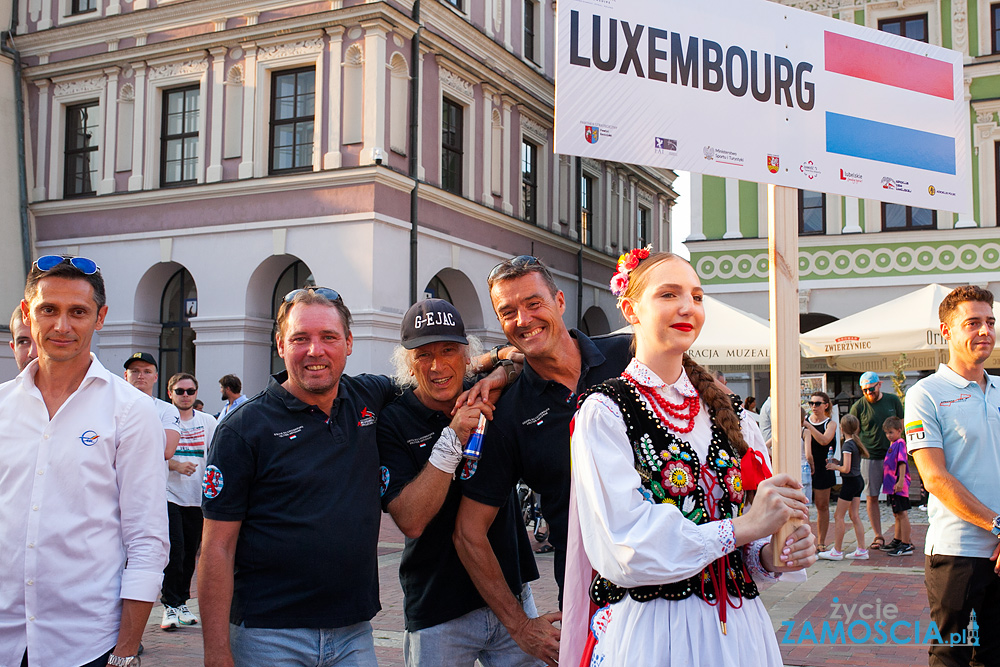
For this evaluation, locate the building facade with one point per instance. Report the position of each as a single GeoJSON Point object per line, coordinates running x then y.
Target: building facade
{"type": "Point", "coordinates": [212, 155]}
{"type": "Point", "coordinates": [856, 253]}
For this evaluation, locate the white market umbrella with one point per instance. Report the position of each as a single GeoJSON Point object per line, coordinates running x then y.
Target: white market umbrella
{"type": "Point", "coordinates": [730, 337]}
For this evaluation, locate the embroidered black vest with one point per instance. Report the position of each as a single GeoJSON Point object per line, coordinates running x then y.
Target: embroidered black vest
{"type": "Point", "coordinates": [670, 471]}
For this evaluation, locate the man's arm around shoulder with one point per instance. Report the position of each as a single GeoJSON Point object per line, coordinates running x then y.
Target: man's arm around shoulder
{"type": "Point", "coordinates": [215, 588]}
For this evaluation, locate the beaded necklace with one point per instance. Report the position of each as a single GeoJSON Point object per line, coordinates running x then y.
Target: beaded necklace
{"type": "Point", "coordinates": [684, 412]}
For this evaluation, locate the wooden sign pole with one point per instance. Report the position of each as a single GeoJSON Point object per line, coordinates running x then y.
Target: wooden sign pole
{"type": "Point", "coordinates": [786, 419]}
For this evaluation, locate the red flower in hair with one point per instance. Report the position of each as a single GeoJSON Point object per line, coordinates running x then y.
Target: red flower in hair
{"type": "Point", "coordinates": [631, 261]}
{"type": "Point", "coordinates": [641, 253]}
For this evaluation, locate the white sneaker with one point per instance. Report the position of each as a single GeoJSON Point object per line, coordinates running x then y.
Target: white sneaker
{"type": "Point", "coordinates": [186, 616]}
{"type": "Point", "coordinates": [170, 621]}
{"type": "Point", "coordinates": [832, 554]}
{"type": "Point", "coordinates": [857, 554]}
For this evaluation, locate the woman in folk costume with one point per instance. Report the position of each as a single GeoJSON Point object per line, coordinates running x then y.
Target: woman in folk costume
{"type": "Point", "coordinates": [659, 496]}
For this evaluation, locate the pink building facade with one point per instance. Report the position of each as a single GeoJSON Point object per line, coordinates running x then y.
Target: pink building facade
{"type": "Point", "coordinates": [211, 155]}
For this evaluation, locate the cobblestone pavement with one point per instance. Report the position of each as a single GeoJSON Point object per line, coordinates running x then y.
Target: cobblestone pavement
{"type": "Point", "coordinates": [881, 580]}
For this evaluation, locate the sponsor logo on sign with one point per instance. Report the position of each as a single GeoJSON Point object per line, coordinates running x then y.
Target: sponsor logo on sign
{"type": "Point", "coordinates": [384, 484]}
{"type": "Point", "coordinates": [895, 184]}
{"type": "Point", "coordinates": [89, 438]}
{"type": "Point", "coordinates": [367, 417]}
{"type": "Point", "coordinates": [591, 134]}
{"type": "Point", "coordinates": [708, 152]}
{"type": "Point", "coordinates": [809, 169]}
{"type": "Point", "coordinates": [961, 398]}
{"type": "Point", "coordinates": [723, 156]}
{"type": "Point", "coordinates": [661, 144]}
{"type": "Point", "coordinates": [847, 344]}
{"type": "Point", "coordinates": [931, 190]}
{"type": "Point", "coordinates": [851, 176]}
{"type": "Point", "coordinates": [212, 483]}
{"type": "Point", "coordinates": [772, 163]}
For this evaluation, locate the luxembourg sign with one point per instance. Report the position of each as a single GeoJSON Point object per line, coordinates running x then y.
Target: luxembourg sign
{"type": "Point", "coordinates": [762, 92]}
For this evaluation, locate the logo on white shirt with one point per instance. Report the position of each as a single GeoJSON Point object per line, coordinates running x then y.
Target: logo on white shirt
{"type": "Point", "coordinates": [212, 484]}
{"type": "Point", "coordinates": [89, 438]}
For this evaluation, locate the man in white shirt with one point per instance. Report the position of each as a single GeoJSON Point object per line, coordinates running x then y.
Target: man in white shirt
{"type": "Point", "coordinates": [187, 468]}
{"type": "Point", "coordinates": [141, 372]}
{"type": "Point", "coordinates": [20, 341]}
{"type": "Point", "coordinates": [83, 519]}
{"type": "Point", "coordinates": [231, 386]}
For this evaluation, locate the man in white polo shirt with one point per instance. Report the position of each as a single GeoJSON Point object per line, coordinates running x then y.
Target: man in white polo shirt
{"type": "Point", "coordinates": [141, 372]}
{"type": "Point", "coordinates": [953, 432]}
{"type": "Point", "coordinates": [83, 512]}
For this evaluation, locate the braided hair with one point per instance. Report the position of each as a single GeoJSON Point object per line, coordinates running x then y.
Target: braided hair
{"type": "Point", "coordinates": [718, 403]}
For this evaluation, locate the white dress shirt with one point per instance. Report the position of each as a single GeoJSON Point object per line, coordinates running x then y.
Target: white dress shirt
{"type": "Point", "coordinates": [80, 495]}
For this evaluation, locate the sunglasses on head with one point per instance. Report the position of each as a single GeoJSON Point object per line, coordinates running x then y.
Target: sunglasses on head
{"type": "Point", "coordinates": [517, 263]}
{"type": "Point", "coordinates": [325, 292]}
{"type": "Point", "coordinates": [48, 262]}
{"type": "Point", "coordinates": [814, 403]}
{"type": "Point", "coordinates": [181, 392]}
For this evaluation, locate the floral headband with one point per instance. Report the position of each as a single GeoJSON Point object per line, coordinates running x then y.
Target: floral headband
{"type": "Point", "coordinates": [626, 263]}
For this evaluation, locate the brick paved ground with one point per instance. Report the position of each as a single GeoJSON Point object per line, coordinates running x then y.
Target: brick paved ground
{"type": "Point", "coordinates": [892, 580]}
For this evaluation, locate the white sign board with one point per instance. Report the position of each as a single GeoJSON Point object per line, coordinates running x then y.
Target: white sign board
{"type": "Point", "coordinates": [758, 91]}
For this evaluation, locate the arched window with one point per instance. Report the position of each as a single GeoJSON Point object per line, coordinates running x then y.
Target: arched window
{"type": "Point", "coordinates": [178, 305]}
{"type": "Point", "coordinates": [297, 275]}
{"type": "Point", "coordinates": [436, 289]}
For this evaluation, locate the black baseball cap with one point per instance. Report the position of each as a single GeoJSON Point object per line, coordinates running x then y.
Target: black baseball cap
{"type": "Point", "coordinates": [432, 321]}
{"type": "Point", "coordinates": [141, 356]}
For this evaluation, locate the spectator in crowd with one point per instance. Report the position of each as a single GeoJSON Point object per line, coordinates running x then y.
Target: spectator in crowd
{"type": "Point", "coordinates": [872, 410]}
{"type": "Point", "coordinates": [186, 470]}
{"type": "Point", "coordinates": [231, 386]}
{"type": "Point", "coordinates": [21, 342]}
{"type": "Point", "coordinates": [141, 372]}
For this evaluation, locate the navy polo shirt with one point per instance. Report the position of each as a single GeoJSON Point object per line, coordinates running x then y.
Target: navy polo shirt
{"type": "Point", "coordinates": [436, 587]}
{"type": "Point", "coordinates": [306, 489]}
{"type": "Point", "coordinates": [529, 437]}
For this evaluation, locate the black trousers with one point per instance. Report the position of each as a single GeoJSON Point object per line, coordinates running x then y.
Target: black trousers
{"type": "Point", "coordinates": [957, 585]}
{"type": "Point", "coordinates": [100, 662]}
{"type": "Point", "coordinates": [185, 538]}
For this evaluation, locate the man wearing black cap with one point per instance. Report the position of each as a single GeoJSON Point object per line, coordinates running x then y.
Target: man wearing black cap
{"type": "Point", "coordinates": [420, 446]}
{"type": "Point", "coordinates": [141, 373]}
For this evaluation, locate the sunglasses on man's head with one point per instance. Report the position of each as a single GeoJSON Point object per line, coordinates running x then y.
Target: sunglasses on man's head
{"type": "Point", "coordinates": [48, 262]}
{"type": "Point", "coordinates": [325, 292]}
{"type": "Point", "coordinates": [181, 392]}
{"type": "Point", "coordinates": [516, 263]}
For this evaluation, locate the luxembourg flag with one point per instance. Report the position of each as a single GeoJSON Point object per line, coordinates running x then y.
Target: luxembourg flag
{"type": "Point", "coordinates": [863, 126]}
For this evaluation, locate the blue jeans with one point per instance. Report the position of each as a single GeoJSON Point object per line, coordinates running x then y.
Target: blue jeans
{"type": "Point", "coordinates": [351, 646]}
{"type": "Point", "coordinates": [479, 635]}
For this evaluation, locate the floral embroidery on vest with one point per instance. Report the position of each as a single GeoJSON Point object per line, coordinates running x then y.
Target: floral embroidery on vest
{"type": "Point", "coordinates": [670, 471]}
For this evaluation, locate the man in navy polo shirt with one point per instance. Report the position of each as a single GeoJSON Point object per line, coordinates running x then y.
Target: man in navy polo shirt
{"type": "Point", "coordinates": [291, 504]}
{"type": "Point", "coordinates": [529, 435]}
{"type": "Point", "coordinates": [420, 445]}
{"type": "Point", "coordinates": [953, 433]}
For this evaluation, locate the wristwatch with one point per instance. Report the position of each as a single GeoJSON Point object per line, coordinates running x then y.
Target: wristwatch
{"type": "Point", "coordinates": [996, 526]}
{"type": "Point", "coordinates": [508, 367]}
{"type": "Point", "coordinates": [118, 661]}
{"type": "Point", "coordinates": [495, 355]}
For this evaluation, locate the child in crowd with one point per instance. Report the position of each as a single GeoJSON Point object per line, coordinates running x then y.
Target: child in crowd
{"type": "Point", "coordinates": [896, 485]}
{"type": "Point", "coordinates": [853, 485]}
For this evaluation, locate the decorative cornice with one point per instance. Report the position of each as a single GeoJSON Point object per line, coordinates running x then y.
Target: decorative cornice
{"type": "Point", "coordinates": [290, 50]}
{"type": "Point", "coordinates": [456, 82]}
{"type": "Point", "coordinates": [533, 128]}
{"type": "Point", "coordinates": [186, 68]}
{"type": "Point", "coordinates": [90, 85]}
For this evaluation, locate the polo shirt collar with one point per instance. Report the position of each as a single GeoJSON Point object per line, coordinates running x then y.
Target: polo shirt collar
{"type": "Point", "coordinates": [293, 404]}
{"type": "Point", "coordinates": [954, 378]}
{"type": "Point", "coordinates": [421, 411]}
{"type": "Point", "coordinates": [590, 357]}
